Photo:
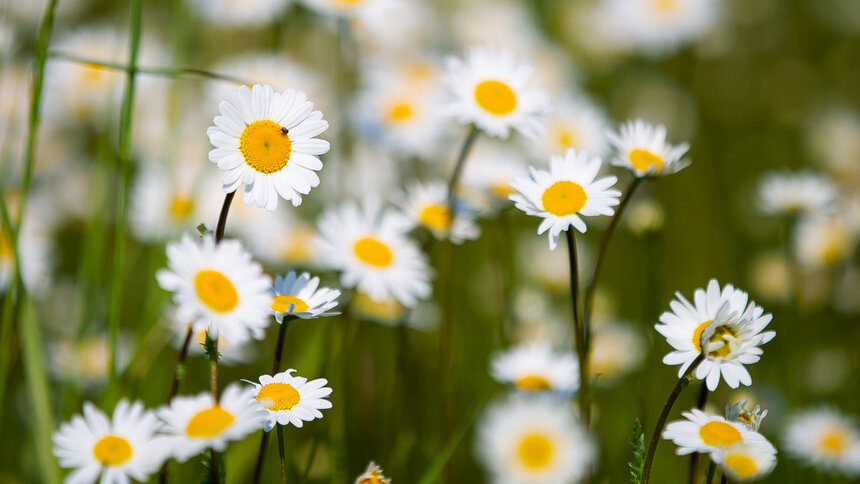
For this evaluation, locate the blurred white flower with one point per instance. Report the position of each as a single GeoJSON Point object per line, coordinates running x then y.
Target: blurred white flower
{"type": "Point", "coordinates": [826, 439]}
{"type": "Point", "coordinates": [791, 193]}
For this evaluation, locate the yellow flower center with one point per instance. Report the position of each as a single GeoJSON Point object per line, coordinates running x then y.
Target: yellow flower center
{"type": "Point", "coordinates": [533, 383]}
{"type": "Point", "coordinates": [495, 97]}
{"type": "Point", "coordinates": [502, 188]}
{"type": "Point", "coordinates": [371, 479]}
{"type": "Point", "coordinates": [5, 244]}
{"type": "Point", "coordinates": [180, 207]}
{"type": "Point", "coordinates": [834, 442]}
{"type": "Point", "coordinates": [216, 291]}
{"type": "Point", "coordinates": [265, 146]}
{"type": "Point", "coordinates": [742, 465]}
{"type": "Point", "coordinates": [436, 216]}
{"type": "Point", "coordinates": [281, 395]}
{"type": "Point", "coordinates": [389, 309]}
{"type": "Point", "coordinates": [564, 198]}
{"type": "Point", "coordinates": [209, 422]}
{"type": "Point", "coordinates": [643, 159]}
{"type": "Point", "coordinates": [373, 252]}
{"type": "Point", "coordinates": [281, 302]}
{"type": "Point", "coordinates": [112, 450]}
{"type": "Point", "coordinates": [566, 138]}
{"type": "Point", "coordinates": [719, 434]}
{"type": "Point", "coordinates": [722, 335]}
{"type": "Point", "coordinates": [665, 6]}
{"type": "Point", "coordinates": [535, 451]}
{"type": "Point", "coordinates": [400, 111]}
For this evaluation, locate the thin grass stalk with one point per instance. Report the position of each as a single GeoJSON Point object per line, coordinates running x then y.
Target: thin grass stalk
{"type": "Point", "coordinates": [116, 285]}
{"type": "Point", "coordinates": [309, 464]}
{"type": "Point", "coordinates": [712, 469]}
{"type": "Point", "coordinates": [282, 452]}
{"type": "Point", "coordinates": [723, 479]}
{"type": "Point", "coordinates": [458, 168]}
{"type": "Point", "coordinates": [40, 57]}
{"type": "Point", "coordinates": [664, 414]}
{"type": "Point", "coordinates": [578, 330]}
{"type": "Point", "coordinates": [168, 72]}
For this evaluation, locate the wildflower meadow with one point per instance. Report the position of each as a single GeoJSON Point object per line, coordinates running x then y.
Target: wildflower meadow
{"type": "Point", "coordinates": [404, 241]}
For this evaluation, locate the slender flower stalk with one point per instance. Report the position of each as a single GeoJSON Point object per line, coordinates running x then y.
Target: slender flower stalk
{"type": "Point", "coordinates": [664, 414]}
{"type": "Point", "coordinates": [458, 168]}
{"type": "Point", "coordinates": [282, 452]}
{"type": "Point", "coordinates": [712, 469]}
{"type": "Point", "coordinates": [694, 458]}
{"type": "Point", "coordinates": [212, 352]}
{"type": "Point", "coordinates": [578, 330]}
{"type": "Point", "coordinates": [167, 72]}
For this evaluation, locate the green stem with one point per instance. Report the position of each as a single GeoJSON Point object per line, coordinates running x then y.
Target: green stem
{"type": "Point", "coordinates": [116, 285]}
{"type": "Point", "coordinates": [694, 459]}
{"type": "Point", "coordinates": [578, 330]}
{"type": "Point", "coordinates": [664, 414]}
{"type": "Point", "coordinates": [169, 72]}
{"type": "Point", "coordinates": [282, 452]}
{"type": "Point", "coordinates": [458, 168]}
{"type": "Point", "coordinates": [712, 469]}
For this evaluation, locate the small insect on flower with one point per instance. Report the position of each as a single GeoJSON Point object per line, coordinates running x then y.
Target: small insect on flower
{"type": "Point", "coordinates": [197, 423]}
{"type": "Point", "coordinates": [491, 88]}
{"type": "Point", "coordinates": [642, 148]}
{"type": "Point", "coordinates": [721, 324]}
{"type": "Point", "coordinates": [535, 367]}
{"type": "Point", "coordinates": [289, 399]}
{"type": "Point", "coordinates": [120, 448]}
{"type": "Point", "coordinates": [565, 194]}
{"type": "Point", "coordinates": [266, 140]}
{"type": "Point", "coordinates": [218, 287]}
{"type": "Point", "coordinates": [301, 296]}
{"type": "Point", "coordinates": [701, 432]}
{"type": "Point", "coordinates": [826, 439]}
{"type": "Point", "coordinates": [372, 475]}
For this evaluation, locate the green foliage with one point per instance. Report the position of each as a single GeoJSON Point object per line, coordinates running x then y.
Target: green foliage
{"type": "Point", "coordinates": [637, 442]}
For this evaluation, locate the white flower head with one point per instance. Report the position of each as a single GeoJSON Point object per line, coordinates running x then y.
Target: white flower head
{"type": "Point", "coordinates": [196, 423]}
{"type": "Point", "coordinates": [535, 367]}
{"type": "Point", "coordinates": [372, 475]}
{"type": "Point", "coordinates": [369, 246]}
{"type": "Point", "coordinates": [826, 439]}
{"type": "Point", "coordinates": [301, 296]}
{"type": "Point", "coordinates": [426, 204]}
{"type": "Point", "coordinates": [701, 432]}
{"type": "Point", "coordinates": [125, 446]}
{"type": "Point", "coordinates": [289, 399]}
{"type": "Point", "coordinates": [726, 322]}
{"type": "Point", "coordinates": [266, 140]}
{"type": "Point", "coordinates": [533, 440]}
{"type": "Point", "coordinates": [750, 417]}
{"type": "Point", "coordinates": [576, 124]}
{"type": "Point", "coordinates": [642, 148]}
{"type": "Point", "coordinates": [658, 27]}
{"type": "Point", "coordinates": [254, 13]}
{"type": "Point", "coordinates": [745, 462]}
{"type": "Point", "coordinates": [565, 194]}
{"type": "Point", "coordinates": [217, 287]}
{"type": "Point", "coordinates": [492, 89]}
{"type": "Point", "coordinates": [790, 193]}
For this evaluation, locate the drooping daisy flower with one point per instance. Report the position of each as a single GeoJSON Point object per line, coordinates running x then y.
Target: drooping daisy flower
{"type": "Point", "coordinates": [372, 475]}
{"type": "Point", "coordinates": [731, 329]}
{"type": "Point", "coordinates": [119, 448]}
{"type": "Point", "coordinates": [370, 247]}
{"type": "Point", "coordinates": [536, 367]}
{"type": "Point", "coordinates": [533, 440]}
{"type": "Point", "coordinates": [566, 193]}
{"type": "Point", "coordinates": [642, 148]}
{"type": "Point", "coordinates": [823, 241]}
{"type": "Point", "coordinates": [301, 296]}
{"type": "Point", "coordinates": [427, 205]}
{"type": "Point", "coordinates": [266, 140]}
{"type": "Point", "coordinates": [491, 89]}
{"type": "Point", "coordinates": [218, 287]}
{"type": "Point", "coordinates": [576, 124]}
{"type": "Point", "coordinates": [196, 423]}
{"type": "Point", "coordinates": [701, 432]}
{"type": "Point", "coordinates": [242, 14]}
{"type": "Point", "coordinates": [790, 193]}
{"type": "Point", "coordinates": [825, 439]}
{"type": "Point", "coordinates": [745, 462]}
{"type": "Point", "coordinates": [290, 399]}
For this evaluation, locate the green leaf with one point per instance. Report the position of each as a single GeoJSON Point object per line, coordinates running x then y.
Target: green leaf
{"type": "Point", "coordinates": [637, 442]}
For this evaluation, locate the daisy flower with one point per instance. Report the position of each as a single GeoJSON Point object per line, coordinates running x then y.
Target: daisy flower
{"type": "Point", "coordinates": [823, 241]}
{"type": "Point", "coordinates": [254, 13]}
{"type": "Point", "coordinates": [372, 475]}
{"type": "Point", "coordinates": [290, 399]}
{"type": "Point", "coordinates": [427, 205]}
{"type": "Point", "coordinates": [491, 89]}
{"type": "Point", "coordinates": [701, 432]}
{"type": "Point", "coordinates": [218, 288]}
{"type": "Point", "coordinates": [533, 441]}
{"type": "Point", "coordinates": [731, 330]}
{"type": "Point", "coordinates": [660, 26]}
{"type": "Point", "coordinates": [825, 439]}
{"type": "Point", "coordinates": [164, 204]}
{"type": "Point", "coordinates": [119, 448]}
{"type": "Point", "coordinates": [387, 311]}
{"type": "Point", "coordinates": [743, 462]}
{"type": "Point", "coordinates": [642, 148]}
{"type": "Point", "coordinates": [266, 140]}
{"type": "Point", "coordinates": [196, 423]}
{"type": "Point", "coordinates": [790, 193]}
{"type": "Point", "coordinates": [370, 247]}
{"type": "Point", "coordinates": [751, 418]}
{"type": "Point", "coordinates": [566, 193]}
{"type": "Point", "coordinates": [576, 124]}
{"type": "Point", "coordinates": [301, 296]}
{"type": "Point", "coordinates": [536, 367]}
{"type": "Point", "coordinates": [486, 179]}
{"type": "Point", "coordinates": [616, 350]}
